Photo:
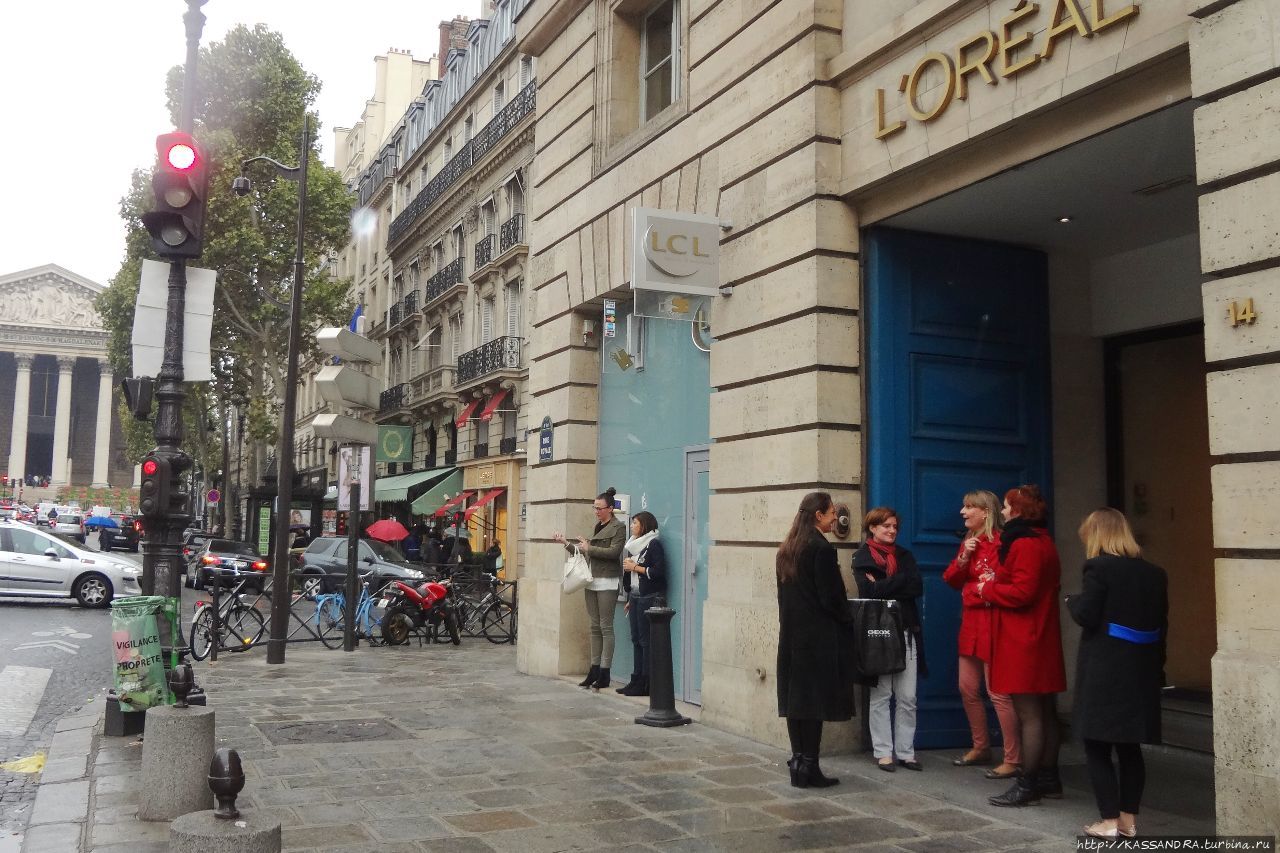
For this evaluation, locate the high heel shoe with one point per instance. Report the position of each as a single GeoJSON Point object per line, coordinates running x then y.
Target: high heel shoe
{"type": "Point", "coordinates": [592, 675]}
{"type": "Point", "coordinates": [794, 766]}
{"type": "Point", "coordinates": [810, 775]}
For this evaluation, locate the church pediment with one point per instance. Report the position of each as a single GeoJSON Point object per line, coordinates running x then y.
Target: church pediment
{"type": "Point", "coordinates": [49, 297]}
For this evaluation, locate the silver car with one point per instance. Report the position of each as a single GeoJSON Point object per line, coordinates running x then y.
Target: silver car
{"type": "Point", "coordinates": [40, 564]}
{"type": "Point", "coordinates": [69, 524]}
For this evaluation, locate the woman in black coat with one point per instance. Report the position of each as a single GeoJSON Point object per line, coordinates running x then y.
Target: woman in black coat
{"type": "Point", "coordinates": [1124, 611]}
{"type": "Point", "coordinates": [815, 678]}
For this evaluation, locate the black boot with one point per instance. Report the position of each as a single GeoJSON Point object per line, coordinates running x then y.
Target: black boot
{"type": "Point", "coordinates": [602, 679]}
{"type": "Point", "coordinates": [639, 687]}
{"type": "Point", "coordinates": [630, 685]}
{"type": "Point", "coordinates": [810, 774]}
{"type": "Point", "coordinates": [794, 766]}
{"type": "Point", "coordinates": [592, 674]}
{"type": "Point", "coordinates": [1049, 783]}
{"type": "Point", "coordinates": [1023, 793]}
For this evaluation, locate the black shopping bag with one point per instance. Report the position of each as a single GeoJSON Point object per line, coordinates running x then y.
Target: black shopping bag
{"type": "Point", "coordinates": [879, 647]}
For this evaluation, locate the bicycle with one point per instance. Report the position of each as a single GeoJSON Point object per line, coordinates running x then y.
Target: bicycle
{"type": "Point", "coordinates": [492, 614]}
{"type": "Point", "coordinates": [331, 616]}
{"type": "Point", "coordinates": [237, 621]}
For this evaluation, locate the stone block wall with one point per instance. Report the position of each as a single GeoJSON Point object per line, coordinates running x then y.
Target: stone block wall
{"type": "Point", "coordinates": [1235, 71]}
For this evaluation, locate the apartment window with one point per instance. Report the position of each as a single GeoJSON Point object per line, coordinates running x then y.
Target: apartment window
{"type": "Point", "coordinates": [455, 337]}
{"type": "Point", "coordinates": [513, 309]}
{"type": "Point", "coordinates": [499, 98]}
{"type": "Point", "coordinates": [448, 151]}
{"type": "Point", "coordinates": [466, 130]}
{"type": "Point", "coordinates": [488, 217]}
{"type": "Point", "coordinates": [486, 320]}
{"type": "Point", "coordinates": [457, 241]}
{"type": "Point", "coordinates": [659, 54]}
{"type": "Point", "coordinates": [526, 70]}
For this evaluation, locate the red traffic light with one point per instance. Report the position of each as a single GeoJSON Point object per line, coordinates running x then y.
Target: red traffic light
{"type": "Point", "coordinates": [149, 467]}
{"type": "Point", "coordinates": [180, 156]}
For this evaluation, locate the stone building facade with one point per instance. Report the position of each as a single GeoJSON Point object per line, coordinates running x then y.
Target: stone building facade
{"type": "Point", "coordinates": [966, 245]}
{"type": "Point", "coordinates": [62, 422]}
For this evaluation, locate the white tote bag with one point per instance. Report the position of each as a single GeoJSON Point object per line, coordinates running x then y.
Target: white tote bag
{"type": "Point", "coordinates": [577, 572]}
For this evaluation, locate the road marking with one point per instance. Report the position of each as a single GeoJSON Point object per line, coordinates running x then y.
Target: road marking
{"type": "Point", "coordinates": [63, 631]}
{"type": "Point", "coordinates": [21, 688]}
{"type": "Point", "coordinates": [62, 645]}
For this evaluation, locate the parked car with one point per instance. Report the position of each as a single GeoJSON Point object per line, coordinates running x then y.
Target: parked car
{"type": "Point", "coordinates": [230, 559]}
{"type": "Point", "coordinates": [325, 564]}
{"type": "Point", "coordinates": [129, 534]}
{"type": "Point", "coordinates": [38, 563]}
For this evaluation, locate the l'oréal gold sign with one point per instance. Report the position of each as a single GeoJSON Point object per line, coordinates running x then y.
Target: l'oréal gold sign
{"type": "Point", "coordinates": [1006, 52]}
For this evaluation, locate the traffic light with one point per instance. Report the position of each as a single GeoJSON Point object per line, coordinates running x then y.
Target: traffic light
{"type": "Point", "coordinates": [153, 493]}
{"type": "Point", "coordinates": [181, 184]}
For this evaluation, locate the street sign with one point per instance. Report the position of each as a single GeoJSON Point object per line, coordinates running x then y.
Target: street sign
{"type": "Point", "coordinates": [213, 497]}
{"type": "Point", "coordinates": [346, 387]}
{"type": "Point", "coordinates": [344, 428]}
{"type": "Point", "coordinates": [545, 436]}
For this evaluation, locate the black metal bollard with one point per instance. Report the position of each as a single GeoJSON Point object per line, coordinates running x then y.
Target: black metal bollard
{"type": "Point", "coordinates": [226, 780]}
{"type": "Point", "coordinates": [662, 689]}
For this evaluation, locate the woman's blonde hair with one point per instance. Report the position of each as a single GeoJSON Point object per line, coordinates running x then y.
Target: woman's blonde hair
{"type": "Point", "coordinates": [982, 499]}
{"type": "Point", "coordinates": [1107, 531]}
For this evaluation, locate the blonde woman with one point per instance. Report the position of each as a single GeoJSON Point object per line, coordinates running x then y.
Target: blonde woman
{"type": "Point", "coordinates": [1124, 611]}
{"type": "Point", "coordinates": [976, 559]}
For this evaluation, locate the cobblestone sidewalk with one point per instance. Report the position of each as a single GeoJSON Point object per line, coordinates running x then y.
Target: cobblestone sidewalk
{"type": "Point", "coordinates": [449, 749]}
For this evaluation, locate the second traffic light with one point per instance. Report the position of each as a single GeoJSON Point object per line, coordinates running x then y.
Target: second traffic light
{"type": "Point", "coordinates": [181, 186]}
{"type": "Point", "coordinates": [153, 491]}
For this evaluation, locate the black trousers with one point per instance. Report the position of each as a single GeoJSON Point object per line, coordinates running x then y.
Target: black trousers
{"type": "Point", "coordinates": [1116, 792]}
{"type": "Point", "coordinates": [806, 737]}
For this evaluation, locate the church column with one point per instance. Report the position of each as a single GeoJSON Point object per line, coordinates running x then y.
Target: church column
{"type": "Point", "coordinates": [62, 422]}
{"type": "Point", "coordinates": [102, 436]}
{"type": "Point", "coordinates": [21, 411]}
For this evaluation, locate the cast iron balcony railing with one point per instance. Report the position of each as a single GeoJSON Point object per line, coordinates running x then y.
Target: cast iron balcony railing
{"type": "Point", "coordinates": [393, 398]}
{"type": "Point", "coordinates": [499, 126]}
{"type": "Point", "coordinates": [507, 445]}
{"type": "Point", "coordinates": [451, 457]}
{"type": "Point", "coordinates": [499, 353]}
{"type": "Point", "coordinates": [410, 303]}
{"type": "Point", "coordinates": [449, 275]}
{"type": "Point", "coordinates": [511, 233]}
{"type": "Point", "coordinates": [484, 249]}
{"type": "Point", "coordinates": [480, 451]}
{"type": "Point", "coordinates": [429, 461]}
{"type": "Point", "coordinates": [393, 316]}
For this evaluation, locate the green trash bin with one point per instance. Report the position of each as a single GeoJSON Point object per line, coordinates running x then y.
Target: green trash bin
{"type": "Point", "coordinates": [139, 661]}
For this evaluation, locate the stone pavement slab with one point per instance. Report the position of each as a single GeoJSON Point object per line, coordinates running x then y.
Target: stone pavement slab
{"type": "Point", "coordinates": [449, 749]}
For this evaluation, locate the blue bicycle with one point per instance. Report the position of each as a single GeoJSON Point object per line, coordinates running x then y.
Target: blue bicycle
{"type": "Point", "coordinates": [331, 617]}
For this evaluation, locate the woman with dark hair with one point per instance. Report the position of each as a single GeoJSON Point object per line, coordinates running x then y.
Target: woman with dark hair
{"type": "Point", "coordinates": [644, 566]}
{"type": "Point", "coordinates": [1124, 611]}
{"type": "Point", "coordinates": [1026, 657]}
{"type": "Point", "coordinates": [883, 569]}
{"type": "Point", "coordinates": [602, 551]}
{"type": "Point", "coordinates": [815, 677]}
{"type": "Point", "coordinates": [976, 558]}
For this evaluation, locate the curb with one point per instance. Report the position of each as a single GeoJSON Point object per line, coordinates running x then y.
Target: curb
{"type": "Point", "coordinates": [61, 812]}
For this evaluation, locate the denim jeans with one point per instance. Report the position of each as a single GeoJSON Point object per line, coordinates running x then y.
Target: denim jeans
{"type": "Point", "coordinates": [896, 739]}
{"type": "Point", "coordinates": [640, 631]}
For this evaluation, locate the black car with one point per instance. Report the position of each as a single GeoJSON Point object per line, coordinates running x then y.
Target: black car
{"type": "Point", "coordinates": [193, 542]}
{"type": "Point", "coordinates": [230, 560]}
{"type": "Point", "coordinates": [325, 560]}
{"type": "Point", "coordinates": [128, 534]}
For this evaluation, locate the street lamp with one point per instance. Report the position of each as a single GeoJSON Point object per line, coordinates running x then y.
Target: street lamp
{"type": "Point", "coordinates": [284, 454]}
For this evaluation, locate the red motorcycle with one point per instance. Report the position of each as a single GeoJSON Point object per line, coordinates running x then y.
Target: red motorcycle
{"type": "Point", "coordinates": [419, 609]}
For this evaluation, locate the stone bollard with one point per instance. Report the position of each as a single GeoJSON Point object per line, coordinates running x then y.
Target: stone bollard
{"type": "Point", "coordinates": [225, 829]}
{"type": "Point", "coordinates": [175, 753]}
{"type": "Point", "coordinates": [662, 689]}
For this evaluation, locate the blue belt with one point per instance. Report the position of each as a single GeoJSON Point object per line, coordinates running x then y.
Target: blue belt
{"type": "Point", "coordinates": [1132, 635]}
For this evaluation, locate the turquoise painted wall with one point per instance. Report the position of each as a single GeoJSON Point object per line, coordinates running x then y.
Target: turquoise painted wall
{"type": "Point", "coordinates": [648, 417]}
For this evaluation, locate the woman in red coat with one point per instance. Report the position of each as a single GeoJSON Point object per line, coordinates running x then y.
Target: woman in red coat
{"type": "Point", "coordinates": [1026, 656]}
{"type": "Point", "coordinates": [977, 558]}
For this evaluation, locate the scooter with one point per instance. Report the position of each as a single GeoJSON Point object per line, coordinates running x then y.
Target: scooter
{"type": "Point", "coordinates": [422, 609]}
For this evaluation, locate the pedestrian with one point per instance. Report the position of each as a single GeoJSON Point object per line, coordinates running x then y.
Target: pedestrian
{"type": "Point", "coordinates": [644, 577]}
{"type": "Point", "coordinates": [1124, 610]}
{"type": "Point", "coordinates": [815, 666]}
{"type": "Point", "coordinates": [412, 544]}
{"type": "Point", "coordinates": [106, 537]}
{"type": "Point", "coordinates": [885, 570]}
{"type": "Point", "coordinates": [603, 551]}
{"type": "Point", "coordinates": [433, 553]}
{"type": "Point", "coordinates": [977, 557]}
{"type": "Point", "coordinates": [1026, 655]}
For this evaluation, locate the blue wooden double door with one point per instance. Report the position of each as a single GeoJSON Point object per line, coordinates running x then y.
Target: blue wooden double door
{"type": "Point", "coordinates": [958, 399]}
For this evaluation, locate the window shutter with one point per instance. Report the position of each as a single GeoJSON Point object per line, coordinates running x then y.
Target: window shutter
{"type": "Point", "coordinates": [486, 320]}
{"type": "Point", "coordinates": [526, 71]}
{"type": "Point", "coordinates": [513, 311]}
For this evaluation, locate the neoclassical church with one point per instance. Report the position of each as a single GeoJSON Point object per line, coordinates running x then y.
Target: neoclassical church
{"type": "Point", "coordinates": [57, 394]}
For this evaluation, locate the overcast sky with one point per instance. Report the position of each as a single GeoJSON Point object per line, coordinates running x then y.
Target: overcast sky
{"type": "Point", "coordinates": [82, 100]}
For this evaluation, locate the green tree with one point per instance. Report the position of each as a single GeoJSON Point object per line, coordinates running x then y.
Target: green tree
{"type": "Point", "coordinates": [253, 94]}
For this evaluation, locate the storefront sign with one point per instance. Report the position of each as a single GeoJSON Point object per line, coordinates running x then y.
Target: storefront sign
{"type": "Point", "coordinates": [545, 435]}
{"type": "Point", "coordinates": [1008, 51]}
{"type": "Point", "coordinates": [675, 253]}
{"type": "Point", "coordinates": [610, 318]}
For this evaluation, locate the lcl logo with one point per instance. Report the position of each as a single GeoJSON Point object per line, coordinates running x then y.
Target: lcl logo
{"type": "Point", "coordinates": [676, 254]}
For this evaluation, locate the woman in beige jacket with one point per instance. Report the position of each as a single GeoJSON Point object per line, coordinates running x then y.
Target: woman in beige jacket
{"type": "Point", "coordinates": [603, 552]}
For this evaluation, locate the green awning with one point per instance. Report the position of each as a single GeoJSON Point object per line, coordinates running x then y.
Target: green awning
{"type": "Point", "coordinates": [404, 487]}
{"type": "Point", "coordinates": [434, 497]}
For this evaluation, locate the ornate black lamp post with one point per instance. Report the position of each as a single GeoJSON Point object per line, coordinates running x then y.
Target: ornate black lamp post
{"type": "Point", "coordinates": [284, 454]}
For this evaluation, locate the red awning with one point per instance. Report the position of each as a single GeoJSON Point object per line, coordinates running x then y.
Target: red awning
{"type": "Point", "coordinates": [466, 414]}
{"type": "Point", "coordinates": [484, 499]}
{"type": "Point", "coordinates": [491, 406]}
{"type": "Point", "coordinates": [452, 502]}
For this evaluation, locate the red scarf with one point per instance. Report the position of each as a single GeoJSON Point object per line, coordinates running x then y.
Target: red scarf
{"type": "Point", "coordinates": [886, 556]}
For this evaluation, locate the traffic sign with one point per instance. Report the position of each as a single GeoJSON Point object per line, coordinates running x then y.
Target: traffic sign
{"type": "Point", "coordinates": [214, 496]}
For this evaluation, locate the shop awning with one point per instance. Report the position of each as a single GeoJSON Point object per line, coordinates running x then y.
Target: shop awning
{"type": "Point", "coordinates": [491, 406]}
{"type": "Point", "coordinates": [397, 488]}
{"type": "Point", "coordinates": [438, 494]}
{"type": "Point", "coordinates": [484, 499]}
{"type": "Point", "coordinates": [452, 502]}
{"type": "Point", "coordinates": [466, 414]}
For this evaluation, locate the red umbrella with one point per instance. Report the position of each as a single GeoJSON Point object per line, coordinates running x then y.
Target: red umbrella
{"type": "Point", "coordinates": [386, 530]}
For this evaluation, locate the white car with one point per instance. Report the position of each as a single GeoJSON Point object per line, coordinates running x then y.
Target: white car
{"type": "Point", "coordinates": [41, 564]}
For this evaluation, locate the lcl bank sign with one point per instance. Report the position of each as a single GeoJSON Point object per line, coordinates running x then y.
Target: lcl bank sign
{"type": "Point", "coordinates": [675, 252]}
